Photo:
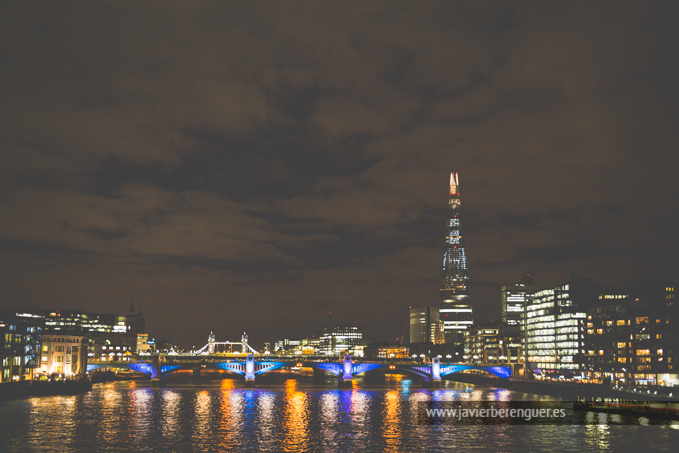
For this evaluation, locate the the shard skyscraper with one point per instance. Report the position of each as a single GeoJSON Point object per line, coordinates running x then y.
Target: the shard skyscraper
{"type": "Point", "coordinates": [455, 310]}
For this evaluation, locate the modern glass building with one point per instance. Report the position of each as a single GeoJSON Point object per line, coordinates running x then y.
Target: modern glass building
{"type": "Point", "coordinates": [339, 340]}
{"type": "Point", "coordinates": [455, 309]}
{"type": "Point", "coordinates": [515, 298]}
{"type": "Point", "coordinates": [555, 328]}
{"type": "Point", "coordinates": [20, 343]}
{"type": "Point", "coordinates": [632, 337]}
{"type": "Point", "coordinates": [425, 325]}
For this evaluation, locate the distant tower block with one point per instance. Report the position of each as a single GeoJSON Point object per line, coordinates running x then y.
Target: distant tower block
{"type": "Point", "coordinates": [454, 309]}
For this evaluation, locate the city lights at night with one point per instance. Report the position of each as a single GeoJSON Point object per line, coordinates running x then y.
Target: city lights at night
{"type": "Point", "coordinates": [303, 226]}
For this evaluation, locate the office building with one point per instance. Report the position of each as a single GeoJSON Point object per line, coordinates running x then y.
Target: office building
{"type": "Point", "coordinates": [342, 340]}
{"type": "Point", "coordinates": [555, 328]}
{"type": "Point", "coordinates": [515, 298]}
{"type": "Point", "coordinates": [20, 343]}
{"type": "Point", "coordinates": [632, 338]}
{"type": "Point", "coordinates": [497, 344]}
{"type": "Point", "coordinates": [110, 336]}
{"type": "Point", "coordinates": [426, 326]}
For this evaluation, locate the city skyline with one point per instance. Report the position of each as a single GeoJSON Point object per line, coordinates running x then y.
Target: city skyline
{"type": "Point", "coordinates": [255, 168]}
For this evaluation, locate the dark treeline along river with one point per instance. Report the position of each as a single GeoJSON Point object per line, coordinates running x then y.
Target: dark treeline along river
{"type": "Point", "coordinates": [222, 415]}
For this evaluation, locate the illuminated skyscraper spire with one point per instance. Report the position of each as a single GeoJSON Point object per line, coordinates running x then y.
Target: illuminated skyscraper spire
{"type": "Point", "coordinates": [453, 184]}
{"type": "Point", "coordinates": [455, 311]}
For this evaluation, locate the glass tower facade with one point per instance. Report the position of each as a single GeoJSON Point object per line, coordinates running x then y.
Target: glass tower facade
{"type": "Point", "coordinates": [425, 325]}
{"type": "Point", "coordinates": [455, 310]}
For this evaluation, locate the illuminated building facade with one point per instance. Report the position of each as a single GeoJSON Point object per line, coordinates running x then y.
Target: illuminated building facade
{"type": "Point", "coordinates": [68, 320]}
{"type": "Point", "coordinates": [393, 352]}
{"type": "Point", "coordinates": [515, 298]}
{"type": "Point", "coordinates": [340, 340]}
{"type": "Point", "coordinates": [143, 342]}
{"type": "Point", "coordinates": [426, 326]}
{"type": "Point", "coordinates": [64, 354]}
{"type": "Point", "coordinates": [455, 309]}
{"type": "Point", "coordinates": [111, 336]}
{"type": "Point", "coordinates": [20, 340]}
{"type": "Point", "coordinates": [555, 328]}
{"type": "Point", "coordinates": [494, 344]}
{"type": "Point", "coordinates": [632, 338]}
{"type": "Point", "coordinates": [298, 347]}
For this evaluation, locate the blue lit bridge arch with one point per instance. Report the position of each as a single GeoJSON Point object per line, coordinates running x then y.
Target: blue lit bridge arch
{"type": "Point", "coordinates": [344, 370]}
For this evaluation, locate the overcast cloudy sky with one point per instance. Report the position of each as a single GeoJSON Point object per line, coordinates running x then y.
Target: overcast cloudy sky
{"type": "Point", "coordinates": [255, 165]}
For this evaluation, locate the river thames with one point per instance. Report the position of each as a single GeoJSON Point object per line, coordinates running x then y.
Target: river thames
{"type": "Point", "coordinates": [222, 415]}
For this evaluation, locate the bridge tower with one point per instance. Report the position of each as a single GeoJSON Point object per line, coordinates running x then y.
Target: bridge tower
{"type": "Point", "coordinates": [244, 343]}
{"type": "Point", "coordinates": [211, 343]}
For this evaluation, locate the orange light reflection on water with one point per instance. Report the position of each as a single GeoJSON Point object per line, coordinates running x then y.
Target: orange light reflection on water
{"type": "Point", "coordinates": [391, 427]}
{"type": "Point", "coordinates": [170, 406]}
{"type": "Point", "coordinates": [266, 404]}
{"type": "Point", "coordinates": [202, 415]}
{"type": "Point", "coordinates": [230, 415]}
{"type": "Point", "coordinates": [140, 398]}
{"type": "Point", "coordinates": [296, 419]}
{"type": "Point", "coordinates": [110, 409]}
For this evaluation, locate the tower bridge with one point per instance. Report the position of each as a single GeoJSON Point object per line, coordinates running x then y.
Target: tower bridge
{"type": "Point", "coordinates": [250, 368]}
{"type": "Point", "coordinates": [212, 346]}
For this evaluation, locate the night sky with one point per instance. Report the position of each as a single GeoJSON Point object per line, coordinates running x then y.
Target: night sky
{"type": "Point", "coordinates": [253, 166]}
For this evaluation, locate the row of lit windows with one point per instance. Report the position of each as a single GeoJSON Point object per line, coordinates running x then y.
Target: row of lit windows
{"type": "Point", "coordinates": [61, 340]}
{"type": "Point", "coordinates": [540, 319]}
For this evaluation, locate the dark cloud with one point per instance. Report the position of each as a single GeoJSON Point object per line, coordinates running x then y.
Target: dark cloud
{"type": "Point", "coordinates": [253, 166]}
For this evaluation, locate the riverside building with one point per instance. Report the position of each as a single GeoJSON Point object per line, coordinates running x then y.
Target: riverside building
{"type": "Point", "coordinates": [555, 328]}
{"type": "Point", "coordinates": [632, 337]}
{"type": "Point", "coordinates": [20, 341]}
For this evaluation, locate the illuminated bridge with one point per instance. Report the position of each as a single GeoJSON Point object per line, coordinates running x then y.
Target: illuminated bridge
{"type": "Point", "coordinates": [249, 368]}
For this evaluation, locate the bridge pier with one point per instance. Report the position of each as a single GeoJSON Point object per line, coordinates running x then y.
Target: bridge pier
{"type": "Point", "coordinates": [346, 377]}
{"type": "Point", "coordinates": [157, 379]}
{"type": "Point", "coordinates": [196, 370]}
{"type": "Point", "coordinates": [435, 372]}
{"type": "Point", "coordinates": [250, 371]}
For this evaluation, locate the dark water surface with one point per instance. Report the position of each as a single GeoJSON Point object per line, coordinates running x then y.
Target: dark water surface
{"type": "Point", "coordinates": [221, 415]}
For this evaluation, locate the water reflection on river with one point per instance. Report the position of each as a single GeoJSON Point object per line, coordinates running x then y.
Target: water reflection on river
{"type": "Point", "coordinates": [296, 416]}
